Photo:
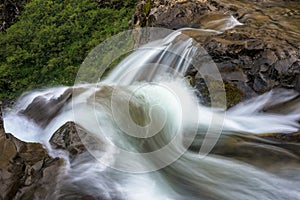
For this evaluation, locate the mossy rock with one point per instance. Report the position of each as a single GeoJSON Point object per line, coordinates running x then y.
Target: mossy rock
{"type": "Point", "coordinates": [218, 92]}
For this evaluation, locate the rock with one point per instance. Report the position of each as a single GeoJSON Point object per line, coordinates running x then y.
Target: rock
{"type": "Point", "coordinates": [269, 151]}
{"type": "Point", "coordinates": [49, 108]}
{"type": "Point", "coordinates": [163, 13]}
{"type": "Point", "coordinates": [257, 62]}
{"type": "Point", "coordinates": [288, 138]}
{"type": "Point", "coordinates": [75, 140]}
{"type": "Point", "coordinates": [26, 169]}
{"type": "Point", "coordinates": [260, 55]}
{"type": "Point", "coordinates": [69, 138]}
{"type": "Point", "coordinates": [28, 172]}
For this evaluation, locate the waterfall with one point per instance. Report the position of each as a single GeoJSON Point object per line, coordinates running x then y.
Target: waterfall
{"type": "Point", "coordinates": [145, 120]}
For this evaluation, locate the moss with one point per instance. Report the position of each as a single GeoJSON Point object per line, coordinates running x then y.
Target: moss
{"type": "Point", "coordinates": [281, 137]}
{"type": "Point", "coordinates": [191, 80]}
{"type": "Point", "coordinates": [218, 92]}
{"type": "Point", "coordinates": [147, 7]}
{"type": "Point", "coordinates": [233, 94]}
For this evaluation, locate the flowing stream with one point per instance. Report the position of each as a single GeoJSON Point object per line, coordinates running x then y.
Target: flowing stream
{"type": "Point", "coordinates": [146, 127]}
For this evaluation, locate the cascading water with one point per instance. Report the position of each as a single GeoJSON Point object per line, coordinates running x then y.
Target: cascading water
{"type": "Point", "coordinates": [144, 117]}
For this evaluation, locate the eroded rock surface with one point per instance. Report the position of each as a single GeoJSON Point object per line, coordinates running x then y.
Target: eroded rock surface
{"type": "Point", "coordinates": [77, 143]}
{"type": "Point", "coordinates": [27, 172]}
{"type": "Point", "coordinates": [26, 169]}
{"type": "Point", "coordinates": [69, 138]}
{"type": "Point", "coordinates": [255, 57]}
{"type": "Point", "coordinates": [49, 108]}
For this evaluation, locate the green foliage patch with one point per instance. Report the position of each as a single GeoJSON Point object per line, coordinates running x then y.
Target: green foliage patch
{"type": "Point", "coordinates": [51, 38]}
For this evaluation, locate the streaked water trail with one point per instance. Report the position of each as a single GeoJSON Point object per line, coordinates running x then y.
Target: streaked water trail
{"type": "Point", "coordinates": [143, 122]}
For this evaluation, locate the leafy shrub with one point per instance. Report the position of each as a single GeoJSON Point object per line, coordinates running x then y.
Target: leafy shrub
{"type": "Point", "coordinates": [50, 40]}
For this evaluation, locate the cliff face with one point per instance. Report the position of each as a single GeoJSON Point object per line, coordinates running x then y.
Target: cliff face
{"type": "Point", "coordinates": [255, 57]}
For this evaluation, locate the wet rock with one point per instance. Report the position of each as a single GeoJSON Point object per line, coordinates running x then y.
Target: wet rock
{"type": "Point", "coordinates": [49, 108]}
{"type": "Point", "coordinates": [269, 151]}
{"type": "Point", "coordinates": [288, 138]}
{"type": "Point", "coordinates": [70, 138]}
{"type": "Point", "coordinates": [26, 169]}
{"type": "Point", "coordinates": [28, 172]}
{"type": "Point", "coordinates": [76, 141]}
{"type": "Point", "coordinates": [260, 55]}
{"type": "Point", "coordinates": [260, 61]}
{"type": "Point", "coordinates": [162, 13]}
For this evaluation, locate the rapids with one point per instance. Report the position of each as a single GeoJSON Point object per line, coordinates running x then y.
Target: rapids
{"type": "Point", "coordinates": [151, 137]}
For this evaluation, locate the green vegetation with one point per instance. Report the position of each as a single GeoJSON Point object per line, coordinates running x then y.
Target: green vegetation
{"type": "Point", "coordinates": [213, 90]}
{"type": "Point", "coordinates": [51, 39]}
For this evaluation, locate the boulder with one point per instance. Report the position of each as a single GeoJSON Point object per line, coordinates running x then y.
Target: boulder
{"type": "Point", "coordinates": [49, 107]}
{"type": "Point", "coordinates": [69, 138]}
{"type": "Point", "coordinates": [76, 141]}
{"type": "Point", "coordinates": [171, 14]}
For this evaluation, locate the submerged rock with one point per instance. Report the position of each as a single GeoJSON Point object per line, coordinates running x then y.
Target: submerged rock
{"type": "Point", "coordinates": [267, 151]}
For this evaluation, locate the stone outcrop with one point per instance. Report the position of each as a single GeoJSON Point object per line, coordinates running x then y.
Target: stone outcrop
{"type": "Point", "coordinates": [28, 172]}
{"type": "Point", "coordinates": [49, 108]}
{"type": "Point", "coordinates": [267, 151]}
{"type": "Point", "coordinates": [73, 140]}
{"type": "Point", "coordinates": [69, 138]}
{"type": "Point", "coordinates": [255, 57]}
{"type": "Point", "coordinates": [26, 169]}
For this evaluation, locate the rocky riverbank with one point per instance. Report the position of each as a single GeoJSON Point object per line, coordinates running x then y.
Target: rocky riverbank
{"type": "Point", "coordinates": [28, 172]}
{"type": "Point", "coordinates": [26, 169]}
{"type": "Point", "coordinates": [261, 54]}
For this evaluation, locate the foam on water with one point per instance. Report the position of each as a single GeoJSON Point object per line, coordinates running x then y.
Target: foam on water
{"type": "Point", "coordinates": [143, 119]}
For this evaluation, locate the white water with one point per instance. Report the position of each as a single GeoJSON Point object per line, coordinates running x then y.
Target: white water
{"type": "Point", "coordinates": [165, 117]}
